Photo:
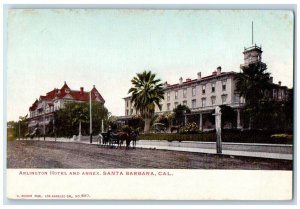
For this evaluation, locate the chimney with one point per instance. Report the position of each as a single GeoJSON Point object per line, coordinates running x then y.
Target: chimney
{"type": "Point", "coordinates": [219, 70]}
{"type": "Point", "coordinates": [279, 83]}
{"type": "Point", "coordinates": [65, 82]}
{"type": "Point", "coordinates": [199, 75]}
{"type": "Point", "coordinates": [271, 80]}
{"type": "Point", "coordinates": [81, 90]}
{"type": "Point", "coordinates": [180, 80]}
{"type": "Point", "coordinates": [165, 84]}
{"type": "Point", "coordinates": [93, 86]}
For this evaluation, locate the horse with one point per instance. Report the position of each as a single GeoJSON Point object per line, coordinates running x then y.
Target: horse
{"type": "Point", "coordinates": [121, 137]}
{"type": "Point", "coordinates": [134, 135]}
{"type": "Point", "coordinates": [127, 137]}
{"type": "Point", "coordinates": [100, 139]}
{"type": "Point", "coordinates": [106, 139]}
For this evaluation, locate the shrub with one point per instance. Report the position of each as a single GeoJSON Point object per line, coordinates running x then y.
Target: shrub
{"type": "Point", "coordinates": [189, 128]}
{"type": "Point", "coordinates": [237, 136]}
{"type": "Point", "coordinates": [280, 136]}
{"type": "Point", "coordinates": [162, 119]}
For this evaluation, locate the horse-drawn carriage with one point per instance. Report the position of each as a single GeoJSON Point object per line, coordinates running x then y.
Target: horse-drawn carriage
{"type": "Point", "coordinates": [112, 139]}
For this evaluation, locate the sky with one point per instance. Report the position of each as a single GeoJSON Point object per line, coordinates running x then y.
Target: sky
{"type": "Point", "coordinates": [106, 48]}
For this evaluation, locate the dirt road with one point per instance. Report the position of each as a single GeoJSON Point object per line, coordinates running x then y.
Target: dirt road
{"type": "Point", "coordinates": [40, 154]}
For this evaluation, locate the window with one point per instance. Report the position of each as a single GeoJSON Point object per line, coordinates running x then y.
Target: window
{"type": "Point", "coordinates": [168, 106]}
{"type": "Point", "coordinates": [184, 93]}
{"type": "Point", "coordinates": [194, 103]}
{"type": "Point", "coordinates": [127, 112]}
{"type": "Point", "coordinates": [203, 89]}
{"type": "Point", "coordinates": [131, 111]}
{"type": "Point", "coordinates": [213, 86]}
{"type": "Point", "coordinates": [161, 105]}
{"type": "Point", "coordinates": [194, 91]}
{"type": "Point", "coordinates": [168, 96]}
{"type": "Point", "coordinates": [175, 104]}
{"type": "Point", "coordinates": [176, 94]}
{"type": "Point", "coordinates": [279, 94]}
{"type": "Point", "coordinates": [274, 94]}
{"type": "Point", "coordinates": [213, 100]}
{"type": "Point", "coordinates": [203, 102]}
{"type": "Point", "coordinates": [224, 85]}
{"type": "Point", "coordinates": [184, 103]}
{"type": "Point", "coordinates": [224, 98]}
{"type": "Point", "coordinates": [127, 103]}
{"type": "Point", "coordinates": [236, 98]}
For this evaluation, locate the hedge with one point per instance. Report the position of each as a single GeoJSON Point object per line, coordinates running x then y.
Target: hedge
{"type": "Point", "coordinates": [227, 136]}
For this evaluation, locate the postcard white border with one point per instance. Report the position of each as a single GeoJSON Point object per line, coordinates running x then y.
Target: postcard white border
{"type": "Point", "coordinates": [116, 6]}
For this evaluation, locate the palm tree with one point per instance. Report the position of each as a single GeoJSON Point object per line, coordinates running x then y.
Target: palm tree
{"type": "Point", "coordinates": [147, 91]}
{"type": "Point", "coordinates": [252, 84]}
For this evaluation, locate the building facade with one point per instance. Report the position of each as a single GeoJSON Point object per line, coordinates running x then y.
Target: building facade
{"type": "Point", "coordinates": [203, 94]}
{"type": "Point", "coordinates": [41, 112]}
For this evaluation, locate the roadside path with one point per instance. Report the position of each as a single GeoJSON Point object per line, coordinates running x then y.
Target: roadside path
{"type": "Point", "coordinates": [272, 151]}
{"type": "Point", "coordinates": [49, 154]}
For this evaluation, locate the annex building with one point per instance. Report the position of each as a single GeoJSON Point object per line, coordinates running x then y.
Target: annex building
{"type": "Point", "coordinates": [203, 93]}
{"type": "Point", "coordinates": [41, 112]}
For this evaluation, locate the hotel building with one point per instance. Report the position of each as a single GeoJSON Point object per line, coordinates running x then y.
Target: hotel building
{"type": "Point", "coordinates": [41, 112]}
{"type": "Point", "coordinates": [203, 94]}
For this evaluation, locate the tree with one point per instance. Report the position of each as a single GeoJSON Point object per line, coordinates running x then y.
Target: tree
{"type": "Point", "coordinates": [17, 129]}
{"type": "Point", "coordinates": [228, 115]}
{"type": "Point", "coordinates": [179, 113]}
{"type": "Point", "coordinates": [136, 122]}
{"type": "Point", "coordinates": [111, 121]}
{"type": "Point", "coordinates": [170, 117]}
{"type": "Point", "coordinates": [252, 84]}
{"type": "Point", "coordinates": [147, 91]}
{"type": "Point", "coordinates": [67, 119]}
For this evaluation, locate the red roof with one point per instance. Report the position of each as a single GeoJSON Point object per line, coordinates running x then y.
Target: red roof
{"type": "Point", "coordinates": [74, 94]}
{"type": "Point", "coordinates": [33, 106]}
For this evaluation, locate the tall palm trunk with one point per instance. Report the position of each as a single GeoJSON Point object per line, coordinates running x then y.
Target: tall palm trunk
{"type": "Point", "coordinates": [147, 125]}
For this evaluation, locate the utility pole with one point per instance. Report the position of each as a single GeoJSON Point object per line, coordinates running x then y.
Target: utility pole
{"type": "Point", "coordinates": [79, 131]}
{"type": "Point", "coordinates": [44, 121]}
{"type": "Point", "coordinates": [218, 129]}
{"type": "Point", "coordinates": [54, 129]}
{"type": "Point", "coordinates": [91, 129]}
{"type": "Point", "coordinates": [19, 130]}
